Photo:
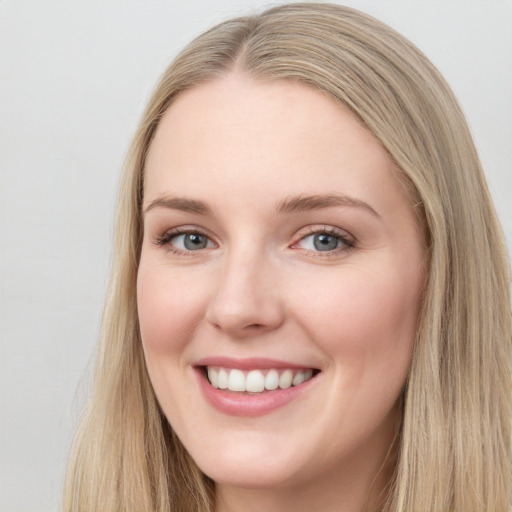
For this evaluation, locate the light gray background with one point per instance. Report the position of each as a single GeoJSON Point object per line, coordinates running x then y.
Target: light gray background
{"type": "Point", "coordinates": [74, 76]}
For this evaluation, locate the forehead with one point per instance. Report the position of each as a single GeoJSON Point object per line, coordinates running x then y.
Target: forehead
{"type": "Point", "coordinates": [251, 137]}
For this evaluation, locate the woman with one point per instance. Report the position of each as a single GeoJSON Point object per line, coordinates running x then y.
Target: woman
{"type": "Point", "coordinates": [309, 305]}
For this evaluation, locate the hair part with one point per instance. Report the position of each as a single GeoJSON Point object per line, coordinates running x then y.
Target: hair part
{"type": "Point", "coordinates": [454, 448]}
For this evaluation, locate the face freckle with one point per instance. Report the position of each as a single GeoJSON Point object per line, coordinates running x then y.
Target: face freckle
{"type": "Point", "coordinates": [230, 279]}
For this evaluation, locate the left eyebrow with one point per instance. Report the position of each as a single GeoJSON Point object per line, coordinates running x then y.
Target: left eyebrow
{"type": "Point", "coordinates": [303, 203]}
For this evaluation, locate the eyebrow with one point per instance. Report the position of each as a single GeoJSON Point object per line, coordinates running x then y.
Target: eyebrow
{"type": "Point", "coordinates": [303, 203]}
{"type": "Point", "coordinates": [180, 203]}
{"type": "Point", "coordinates": [294, 204]}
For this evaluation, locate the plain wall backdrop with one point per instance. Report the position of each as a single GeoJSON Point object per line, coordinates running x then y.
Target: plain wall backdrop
{"type": "Point", "coordinates": [74, 77]}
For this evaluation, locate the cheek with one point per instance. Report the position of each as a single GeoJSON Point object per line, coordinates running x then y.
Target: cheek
{"type": "Point", "coordinates": [363, 319]}
{"type": "Point", "coordinates": [167, 316]}
{"type": "Point", "coordinates": [167, 319]}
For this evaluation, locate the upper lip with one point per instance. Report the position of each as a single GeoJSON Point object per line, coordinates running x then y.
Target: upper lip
{"type": "Point", "coordinates": [251, 363]}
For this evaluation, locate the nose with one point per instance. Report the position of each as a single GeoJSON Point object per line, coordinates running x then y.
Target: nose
{"type": "Point", "coordinates": [246, 301]}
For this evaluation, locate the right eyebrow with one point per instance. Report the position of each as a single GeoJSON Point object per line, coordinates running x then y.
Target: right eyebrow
{"type": "Point", "coordinates": [179, 203]}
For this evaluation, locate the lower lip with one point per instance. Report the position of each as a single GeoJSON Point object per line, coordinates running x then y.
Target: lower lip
{"type": "Point", "coordinates": [241, 404]}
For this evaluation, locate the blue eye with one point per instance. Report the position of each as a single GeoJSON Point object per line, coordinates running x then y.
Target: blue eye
{"type": "Point", "coordinates": [190, 241]}
{"type": "Point", "coordinates": [182, 242]}
{"type": "Point", "coordinates": [324, 241]}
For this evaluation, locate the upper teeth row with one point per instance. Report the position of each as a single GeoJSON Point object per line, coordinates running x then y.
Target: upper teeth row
{"type": "Point", "coordinates": [255, 381]}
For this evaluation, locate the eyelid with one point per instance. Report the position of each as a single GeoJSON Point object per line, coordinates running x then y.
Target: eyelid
{"type": "Point", "coordinates": [347, 240]}
{"type": "Point", "coordinates": [165, 238]}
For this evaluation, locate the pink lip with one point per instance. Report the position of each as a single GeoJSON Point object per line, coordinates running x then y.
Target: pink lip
{"type": "Point", "coordinates": [254, 363]}
{"type": "Point", "coordinates": [241, 404]}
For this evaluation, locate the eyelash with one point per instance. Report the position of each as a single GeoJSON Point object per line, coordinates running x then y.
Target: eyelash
{"type": "Point", "coordinates": [347, 243]}
{"type": "Point", "coordinates": [166, 238]}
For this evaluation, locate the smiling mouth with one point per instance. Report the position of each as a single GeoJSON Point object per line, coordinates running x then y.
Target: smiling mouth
{"type": "Point", "coordinates": [257, 381]}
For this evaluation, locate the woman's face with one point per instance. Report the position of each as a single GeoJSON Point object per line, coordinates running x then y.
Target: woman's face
{"type": "Point", "coordinates": [279, 247]}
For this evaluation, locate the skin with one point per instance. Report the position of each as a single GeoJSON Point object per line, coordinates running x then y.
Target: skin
{"type": "Point", "coordinates": [260, 288]}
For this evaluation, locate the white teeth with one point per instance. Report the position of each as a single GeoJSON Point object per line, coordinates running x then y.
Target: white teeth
{"type": "Point", "coordinates": [213, 376]}
{"type": "Point", "coordinates": [236, 380]}
{"type": "Point", "coordinates": [272, 380]}
{"type": "Point", "coordinates": [223, 379]}
{"type": "Point", "coordinates": [298, 379]}
{"type": "Point", "coordinates": [285, 381]}
{"type": "Point", "coordinates": [256, 381]}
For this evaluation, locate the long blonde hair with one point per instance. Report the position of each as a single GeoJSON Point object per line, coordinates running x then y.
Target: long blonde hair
{"type": "Point", "coordinates": [454, 449]}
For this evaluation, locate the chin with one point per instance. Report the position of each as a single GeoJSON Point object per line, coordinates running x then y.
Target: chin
{"type": "Point", "coordinates": [252, 475]}
{"type": "Point", "coordinates": [250, 468]}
